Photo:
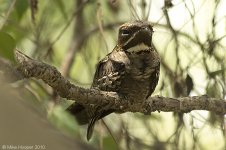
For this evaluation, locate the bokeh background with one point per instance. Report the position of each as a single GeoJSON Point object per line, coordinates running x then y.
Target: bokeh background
{"type": "Point", "coordinates": [74, 35]}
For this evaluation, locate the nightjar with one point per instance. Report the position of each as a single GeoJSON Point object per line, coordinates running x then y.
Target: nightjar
{"type": "Point", "coordinates": [131, 70]}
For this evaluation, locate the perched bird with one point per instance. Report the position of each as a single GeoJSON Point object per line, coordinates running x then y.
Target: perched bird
{"type": "Point", "coordinates": [131, 70]}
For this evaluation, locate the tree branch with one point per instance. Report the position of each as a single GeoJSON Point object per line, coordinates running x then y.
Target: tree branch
{"type": "Point", "coordinates": [49, 74]}
{"type": "Point", "coordinates": [10, 73]}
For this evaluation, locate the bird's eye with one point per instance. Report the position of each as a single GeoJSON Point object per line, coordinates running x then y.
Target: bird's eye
{"type": "Point", "coordinates": [125, 32]}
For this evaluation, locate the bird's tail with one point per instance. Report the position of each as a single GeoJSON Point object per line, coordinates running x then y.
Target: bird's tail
{"type": "Point", "coordinates": [96, 116]}
{"type": "Point", "coordinates": [80, 113]}
{"type": "Point", "coordinates": [91, 125]}
{"type": "Point", "coordinates": [85, 116]}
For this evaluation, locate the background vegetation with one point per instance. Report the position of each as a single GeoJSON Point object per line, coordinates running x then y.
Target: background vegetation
{"type": "Point", "coordinates": [74, 35]}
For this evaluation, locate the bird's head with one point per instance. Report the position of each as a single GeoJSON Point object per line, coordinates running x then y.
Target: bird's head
{"type": "Point", "coordinates": [135, 36]}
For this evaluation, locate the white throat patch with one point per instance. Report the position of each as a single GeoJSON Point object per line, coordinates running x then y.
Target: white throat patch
{"type": "Point", "coordinates": [138, 48]}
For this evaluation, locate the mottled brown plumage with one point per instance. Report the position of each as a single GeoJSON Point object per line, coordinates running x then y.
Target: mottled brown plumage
{"type": "Point", "coordinates": [131, 70]}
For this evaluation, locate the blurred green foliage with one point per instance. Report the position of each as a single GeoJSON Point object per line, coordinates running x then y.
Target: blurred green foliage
{"type": "Point", "coordinates": [7, 46]}
{"type": "Point", "coordinates": [77, 34]}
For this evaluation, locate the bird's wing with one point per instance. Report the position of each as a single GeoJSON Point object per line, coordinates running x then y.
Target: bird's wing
{"type": "Point", "coordinates": [108, 77]}
{"type": "Point", "coordinates": [109, 74]}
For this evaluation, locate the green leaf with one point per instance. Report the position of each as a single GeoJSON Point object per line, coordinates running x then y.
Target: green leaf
{"type": "Point", "coordinates": [7, 45]}
{"type": "Point", "coordinates": [21, 7]}
{"type": "Point", "coordinates": [63, 120]}
{"type": "Point", "coordinates": [109, 143]}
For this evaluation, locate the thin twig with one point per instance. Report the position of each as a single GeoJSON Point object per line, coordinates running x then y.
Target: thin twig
{"type": "Point", "coordinates": [66, 25]}
{"type": "Point", "coordinates": [7, 14]}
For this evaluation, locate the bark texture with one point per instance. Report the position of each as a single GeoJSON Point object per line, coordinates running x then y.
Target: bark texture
{"type": "Point", "coordinates": [28, 67]}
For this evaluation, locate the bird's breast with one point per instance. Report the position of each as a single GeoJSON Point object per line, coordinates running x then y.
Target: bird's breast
{"type": "Point", "coordinates": [141, 66]}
